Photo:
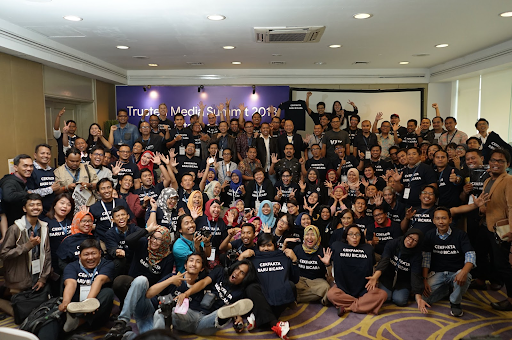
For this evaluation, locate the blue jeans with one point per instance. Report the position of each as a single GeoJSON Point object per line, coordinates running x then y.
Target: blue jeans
{"type": "Point", "coordinates": [440, 285]}
{"type": "Point", "coordinates": [193, 322]}
{"type": "Point", "coordinates": [138, 305]}
{"type": "Point", "coordinates": [400, 297]}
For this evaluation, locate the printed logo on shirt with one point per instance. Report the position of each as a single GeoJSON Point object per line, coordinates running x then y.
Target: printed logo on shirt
{"type": "Point", "coordinates": [352, 252]}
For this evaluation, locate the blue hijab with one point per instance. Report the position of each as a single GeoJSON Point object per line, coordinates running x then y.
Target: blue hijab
{"type": "Point", "coordinates": [215, 172]}
{"type": "Point", "coordinates": [299, 218]}
{"type": "Point", "coordinates": [269, 219]}
{"type": "Point", "coordinates": [235, 186]}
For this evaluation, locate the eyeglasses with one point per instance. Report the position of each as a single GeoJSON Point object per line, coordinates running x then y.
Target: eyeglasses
{"type": "Point", "coordinates": [499, 161]}
{"type": "Point", "coordinates": [156, 239]}
{"type": "Point", "coordinates": [412, 239]}
{"type": "Point", "coordinates": [377, 215]}
{"type": "Point", "coordinates": [175, 198]}
{"type": "Point", "coordinates": [86, 221]}
{"type": "Point", "coordinates": [98, 154]}
{"type": "Point", "coordinates": [123, 151]}
{"type": "Point", "coordinates": [144, 127]}
{"type": "Point", "coordinates": [354, 235]}
{"type": "Point", "coordinates": [427, 193]}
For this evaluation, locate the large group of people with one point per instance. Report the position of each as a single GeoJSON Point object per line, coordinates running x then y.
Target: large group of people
{"type": "Point", "coordinates": [195, 226]}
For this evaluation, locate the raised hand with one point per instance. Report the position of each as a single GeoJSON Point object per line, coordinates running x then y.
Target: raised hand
{"type": "Point", "coordinates": [280, 192]}
{"type": "Point", "coordinates": [266, 229]}
{"type": "Point", "coordinates": [435, 106]}
{"type": "Point", "coordinates": [365, 182]}
{"type": "Point", "coordinates": [379, 115]}
{"type": "Point", "coordinates": [146, 111]}
{"type": "Point", "coordinates": [274, 158]}
{"type": "Point", "coordinates": [173, 162]}
{"type": "Point", "coordinates": [351, 102]}
{"type": "Point", "coordinates": [200, 174]}
{"type": "Point", "coordinates": [481, 200]}
{"type": "Point", "coordinates": [154, 206]}
{"type": "Point", "coordinates": [327, 257]}
{"type": "Point", "coordinates": [271, 109]}
{"type": "Point", "coordinates": [453, 176]}
{"type": "Point", "coordinates": [328, 184]}
{"type": "Point", "coordinates": [156, 159]}
{"type": "Point", "coordinates": [302, 161]}
{"type": "Point", "coordinates": [201, 106]}
{"type": "Point", "coordinates": [290, 254]}
{"type": "Point", "coordinates": [302, 185]}
{"type": "Point", "coordinates": [65, 129]}
{"type": "Point", "coordinates": [378, 198]}
{"type": "Point", "coordinates": [220, 107]}
{"type": "Point", "coordinates": [228, 101]}
{"type": "Point", "coordinates": [409, 214]}
{"type": "Point", "coordinates": [195, 212]}
{"type": "Point", "coordinates": [242, 108]}
{"type": "Point", "coordinates": [397, 176]}
{"type": "Point", "coordinates": [61, 112]}
{"type": "Point", "coordinates": [418, 131]}
{"type": "Point", "coordinates": [395, 127]}
{"type": "Point", "coordinates": [113, 128]}
{"type": "Point", "coordinates": [172, 153]}
{"type": "Point", "coordinates": [179, 278]}
{"type": "Point", "coordinates": [165, 159]}
{"type": "Point", "coordinates": [309, 94]}
{"type": "Point", "coordinates": [292, 194]}
{"type": "Point", "coordinates": [117, 168]}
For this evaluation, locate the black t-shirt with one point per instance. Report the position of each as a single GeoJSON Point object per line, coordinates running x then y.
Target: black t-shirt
{"type": "Point", "coordinates": [103, 218]}
{"type": "Point", "coordinates": [186, 164]}
{"type": "Point", "coordinates": [310, 265]}
{"type": "Point", "coordinates": [225, 292]}
{"type": "Point", "coordinates": [296, 111]}
{"type": "Point", "coordinates": [153, 192]}
{"type": "Point", "coordinates": [397, 213]}
{"type": "Point", "coordinates": [380, 167]}
{"type": "Point", "coordinates": [129, 168]}
{"type": "Point", "coordinates": [352, 134]}
{"type": "Point", "coordinates": [364, 222]}
{"type": "Point", "coordinates": [115, 239]}
{"type": "Point", "coordinates": [350, 162]}
{"type": "Point", "coordinates": [84, 276]}
{"type": "Point", "coordinates": [423, 174]}
{"type": "Point", "coordinates": [409, 140]}
{"type": "Point", "coordinates": [164, 221]}
{"type": "Point", "coordinates": [155, 143]}
{"type": "Point", "coordinates": [322, 165]}
{"type": "Point", "coordinates": [229, 196]}
{"type": "Point", "coordinates": [275, 270]}
{"type": "Point", "coordinates": [363, 143]}
{"type": "Point", "coordinates": [286, 190]}
{"type": "Point", "coordinates": [218, 229]}
{"type": "Point", "coordinates": [194, 299]}
{"type": "Point", "coordinates": [448, 192]}
{"type": "Point", "coordinates": [447, 255]}
{"type": "Point", "coordinates": [140, 264]}
{"type": "Point", "coordinates": [186, 137]}
{"type": "Point", "coordinates": [211, 130]}
{"type": "Point", "coordinates": [351, 267]}
{"type": "Point", "coordinates": [68, 250]}
{"type": "Point", "coordinates": [239, 246]}
{"type": "Point", "coordinates": [57, 232]}
{"type": "Point", "coordinates": [384, 234]}
{"type": "Point", "coordinates": [476, 177]}
{"type": "Point", "coordinates": [40, 179]}
{"type": "Point", "coordinates": [423, 219]}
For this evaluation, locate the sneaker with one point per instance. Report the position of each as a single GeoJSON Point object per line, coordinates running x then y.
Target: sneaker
{"type": "Point", "coordinates": [504, 305]}
{"type": "Point", "coordinates": [241, 307]}
{"type": "Point", "coordinates": [86, 306]}
{"type": "Point", "coordinates": [456, 310]}
{"type": "Point", "coordinates": [251, 322]}
{"type": "Point", "coordinates": [117, 331]}
{"type": "Point", "coordinates": [281, 329]}
{"type": "Point", "coordinates": [71, 323]}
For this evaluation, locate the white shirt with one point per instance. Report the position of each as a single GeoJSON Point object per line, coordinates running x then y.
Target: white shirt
{"type": "Point", "coordinates": [267, 148]}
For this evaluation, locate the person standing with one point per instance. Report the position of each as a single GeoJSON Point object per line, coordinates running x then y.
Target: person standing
{"type": "Point", "coordinates": [452, 135]}
{"type": "Point", "coordinates": [499, 208]}
{"type": "Point", "coordinates": [332, 138]}
{"type": "Point", "coordinates": [123, 132]}
{"type": "Point", "coordinates": [14, 187]}
{"type": "Point", "coordinates": [70, 126]}
{"type": "Point", "coordinates": [290, 137]}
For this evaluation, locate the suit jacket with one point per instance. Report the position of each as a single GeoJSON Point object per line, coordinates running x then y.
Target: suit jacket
{"type": "Point", "coordinates": [297, 142]}
{"type": "Point", "coordinates": [262, 150]}
{"type": "Point", "coordinates": [500, 205]}
{"type": "Point", "coordinates": [231, 144]}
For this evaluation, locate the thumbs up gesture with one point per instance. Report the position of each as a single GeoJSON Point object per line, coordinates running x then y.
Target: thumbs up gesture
{"type": "Point", "coordinates": [453, 177]}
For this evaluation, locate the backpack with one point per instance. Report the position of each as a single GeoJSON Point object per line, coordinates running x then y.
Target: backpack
{"type": "Point", "coordinates": [42, 315]}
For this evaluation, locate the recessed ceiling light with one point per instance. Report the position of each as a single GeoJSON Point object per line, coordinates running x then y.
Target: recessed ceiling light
{"type": "Point", "coordinates": [122, 47]}
{"type": "Point", "coordinates": [404, 63]}
{"type": "Point", "coordinates": [441, 45]}
{"type": "Point", "coordinates": [236, 62]}
{"type": "Point", "coordinates": [73, 18]}
{"type": "Point", "coordinates": [362, 16]}
{"type": "Point", "coordinates": [421, 55]}
{"type": "Point", "coordinates": [276, 55]}
{"type": "Point", "coordinates": [228, 47]}
{"type": "Point", "coordinates": [153, 65]}
{"type": "Point", "coordinates": [506, 14]}
{"type": "Point", "coordinates": [319, 63]}
{"type": "Point", "coordinates": [334, 46]}
{"type": "Point", "coordinates": [140, 57]}
{"type": "Point", "coordinates": [216, 17]}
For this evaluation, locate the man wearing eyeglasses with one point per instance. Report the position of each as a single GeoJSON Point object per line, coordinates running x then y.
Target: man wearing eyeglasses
{"type": "Point", "coordinates": [125, 166]}
{"type": "Point", "coordinates": [499, 187]}
{"type": "Point", "coordinates": [124, 132]}
{"type": "Point", "coordinates": [150, 141]}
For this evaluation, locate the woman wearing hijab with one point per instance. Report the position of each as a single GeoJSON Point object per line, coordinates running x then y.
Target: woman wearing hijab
{"type": "Point", "coordinates": [399, 270]}
{"type": "Point", "coordinates": [354, 185]}
{"type": "Point", "coordinates": [234, 215]}
{"type": "Point", "coordinates": [233, 192]}
{"type": "Point", "coordinates": [312, 285]}
{"type": "Point", "coordinates": [152, 258]}
{"type": "Point", "coordinates": [297, 234]}
{"type": "Point", "coordinates": [208, 177]}
{"type": "Point", "coordinates": [285, 188]}
{"type": "Point", "coordinates": [164, 211]}
{"type": "Point", "coordinates": [81, 230]}
{"type": "Point", "coordinates": [311, 185]}
{"type": "Point", "coordinates": [324, 224]}
{"type": "Point", "coordinates": [146, 162]}
{"type": "Point", "coordinates": [266, 214]}
{"type": "Point", "coordinates": [353, 261]}
{"type": "Point", "coordinates": [213, 190]}
{"type": "Point", "coordinates": [195, 204]}
{"type": "Point", "coordinates": [210, 222]}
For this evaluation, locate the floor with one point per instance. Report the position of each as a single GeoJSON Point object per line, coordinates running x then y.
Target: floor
{"type": "Point", "coordinates": [313, 321]}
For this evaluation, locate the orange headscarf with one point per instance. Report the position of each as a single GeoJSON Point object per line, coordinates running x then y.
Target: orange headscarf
{"type": "Point", "coordinates": [190, 203]}
{"type": "Point", "coordinates": [76, 221]}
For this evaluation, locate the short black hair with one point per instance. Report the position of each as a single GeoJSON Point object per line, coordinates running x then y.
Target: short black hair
{"type": "Point", "coordinates": [450, 117]}
{"type": "Point", "coordinates": [89, 243]}
{"type": "Point", "coordinates": [247, 224]}
{"type": "Point", "coordinates": [376, 146]}
{"type": "Point", "coordinates": [437, 117]}
{"type": "Point", "coordinates": [18, 158]}
{"type": "Point", "coordinates": [444, 209]}
{"type": "Point", "coordinates": [70, 121]}
{"type": "Point", "coordinates": [474, 138]}
{"type": "Point", "coordinates": [121, 110]}
{"type": "Point", "coordinates": [32, 197]}
{"type": "Point", "coordinates": [97, 147]}
{"type": "Point", "coordinates": [436, 192]}
{"type": "Point", "coordinates": [266, 238]}
{"type": "Point", "coordinates": [320, 103]}
{"type": "Point", "coordinates": [394, 147]}
{"type": "Point", "coordinates": [481, 120]}
{"type": "Point", "coordinates": [413, 121]}
{"type": "Point", "coordinates": [42, 145]}
{"type": "Point", "coordinates": [356, 117]}
{"type": "Point", "coordinates": [344, 236]}
{"type": "Point", "coordinates": [477, 151]}
{"type": "Point", "coordinates": [144, 170]}
{"type": "Point", "coordinates": [119, 208]}
{"type": "Point", "coordinates": [103, 180]}
{"type": "Point", "coordinates": [503, 152]}
{"type": "Point", "coordinates": [73, 151]}
{"type": "Point", "coordinates": [179, 114]}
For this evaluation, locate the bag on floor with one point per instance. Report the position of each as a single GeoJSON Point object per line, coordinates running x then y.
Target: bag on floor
{"type": "Point", "coordinates": [25, 302]}
{"type": "Point", "coordinates": [42, 315]}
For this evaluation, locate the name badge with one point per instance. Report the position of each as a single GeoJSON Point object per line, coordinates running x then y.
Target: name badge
{"type": "Point", "coordinates": [368, 155]}
{"type": "Point", "coordinates": [36, 267]}
{"type": "Point", "coordinates": [212, 256]}
{"type": "Point", "coordinates": [257, 205]}
{"type": "Point", "coordinates": [197, 153]}
{"type": "Point", "coordinates": [344, 178]}
{"type": "Point", "coordinates": [407, 191]}
{"type": "Point", "coordinates": [182, 150]}
{"type": "Point", "coordinates": [84, 292]}
{"type": "Point", "coordinates": [471, 201]}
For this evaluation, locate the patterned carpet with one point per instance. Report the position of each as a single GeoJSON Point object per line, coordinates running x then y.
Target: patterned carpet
{"type": "Point", "coordinates": [313, 321]}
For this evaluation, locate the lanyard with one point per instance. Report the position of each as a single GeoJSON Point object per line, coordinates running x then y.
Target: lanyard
{"type": "Point", "coordinates": [258, 193]}
{"type": "Point", "coordinates": [147, 143]}
{"type": "Point", "coordinates": [106, 211]}
{"type": "Point", "coordinates": [75, 177]}
{"type": "Point", "coordinates": [225, 169]}
{"type": "Point", "coordinates": [99, 170]}
{"type": "Point", "coordinates": [441, 175]}
{"type": "Point", "coordinates": [95, 271]}
{"type": "Point", "coordinates": [413, 173]}
{"type": "Point", "coordinates": [365, 141]}
{"type": "Point", "coordinates": [453, 136]}
{"type": "Point", "coordinates": [64, 228]}
{"type": "Point", "coordinates": [223, 142]}
{"type": "Point", "coordinates": [210, 226]}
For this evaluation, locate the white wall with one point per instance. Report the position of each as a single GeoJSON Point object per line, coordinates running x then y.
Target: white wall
{"type": "Point", "coordinates": [440, 93]}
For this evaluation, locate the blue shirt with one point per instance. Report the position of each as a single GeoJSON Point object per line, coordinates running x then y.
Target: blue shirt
{"type": "Point", "coordinates": [126, 135]}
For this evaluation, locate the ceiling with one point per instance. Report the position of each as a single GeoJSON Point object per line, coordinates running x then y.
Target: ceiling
{"type": "Point", "coordinates": [175, 33]}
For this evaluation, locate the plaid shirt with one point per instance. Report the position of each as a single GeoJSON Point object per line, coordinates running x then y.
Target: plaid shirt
{"type": "Point", "coordinates": [247, 166]}
{"type": "Point", "coordinates": [242, 144]}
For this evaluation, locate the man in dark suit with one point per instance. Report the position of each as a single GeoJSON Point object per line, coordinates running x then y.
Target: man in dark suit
{"type": "Point", "coordinates": [266, 145]}
{"type": "Point", "coordinates": [290, 137]}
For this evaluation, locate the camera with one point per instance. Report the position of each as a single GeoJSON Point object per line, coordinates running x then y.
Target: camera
{"type": "Point", "coordinates": [167, 303]}
{"type": "Point", "coordinates": [232, 255]}
{"type": "Point", "coordinates": [238, 327]}
{"type": "Point", "coordinates": [204, 232]}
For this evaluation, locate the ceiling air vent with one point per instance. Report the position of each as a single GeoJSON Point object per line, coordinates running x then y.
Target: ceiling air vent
{"type": "Point", "coordinates": [310, 34]}
{"type": "Point", "coordinates": [361, 63]}
{"type": "Point", "coordinates": [278, 63]}
{"type": "Point", "coordinates": [191, 63]}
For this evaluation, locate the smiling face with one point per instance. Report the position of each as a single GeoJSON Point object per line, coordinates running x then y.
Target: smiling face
{"type": "Point", "coordinates": [497, 164]}
{"type": "Point", "coordinates": [26, 166]}
{"type": "Point", "coordinates": [80, 144]}
{"type": "Point", "coordinates": [411, 241]}
{"type": "Point", "coordinates": [325, 214]}
{"type": "Point", "coordinates": [305, 220]}
{"type": "Point", "coordinates": [97, 157]}
{"type": "Point", "coordinates": [473, 160]}
{"type": "Point", "coordinates": [310, 239]}
{"type": "Point", "coordinates": [105, 190]}
{"type": "Point", "coordinates": [380, 216]}
{"type": "Point", "coordinates": [292, 208]}
{"type": "Point", "coordinates": [146, 178]}
{"type": "Point", "coordinates": [155, 240]}
{"type": "Point", "coordinates": [217, 189]}
{"type": "Point", "coordinates": [33, 208]}
{"type": "Point", "coordinates": [313, 198]}
{"type": "Point", "coordinates": [194, 264]}
{"type": "Point", "coordinates": [211, 176]}
{"type": "Point", "coordinates": [188, 226]}
{"type": "Point", "coordinates": [352, 177]}
{"type": "Point", "coordinates": [369, 172]}
{"type": "Point", "coordinates": [247, 235]}
{"type": "Point", "coordinates": [259, 177]}
{"type": "Point", "coordinates": [85, 224]}
{"type": "Point", "coordinates": [442, 221]}
{"type": "Point", "coordinates": [449, 124]}
{"type": "Point", "coordinates": [172, 202]}
{"type": "Point", "coordinates": [43, 155]}
{"type": "Point", "coordinates": [146, 158]}
{"type": "Point", "coordinates": [286, 177]}
{"type": "Point", "coordinates": [215, 209]}
{"type": "Point", "coordinates": [120, 218]}
{"type": "Point", "coordinates": [312, 177]}
{"type": "Point", "coordinates": [127, 182]}
{"type": "Point", "coordinates": [266, 209]}
{"type": "Point", "coordinates": [428, 197]}
{"type": "Point", "coordinates": [282, 224]}
{"type": "Point", "coordinates": [94, 130]}
{"type": "Point", "coordinates": [90, 257]}
{"type": "Point", "coordinates": [413, 157]}
{"type": "Point", "coordinates": [360, 206]}
{"type": "Point", "coordinates": [388, 196]}
{"type": "Point", "coordinates": [371, 191]}
{"type": "Point", "coordinates": [62, 207]}
{"type": "Point", "coordinates": [347, 220]}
